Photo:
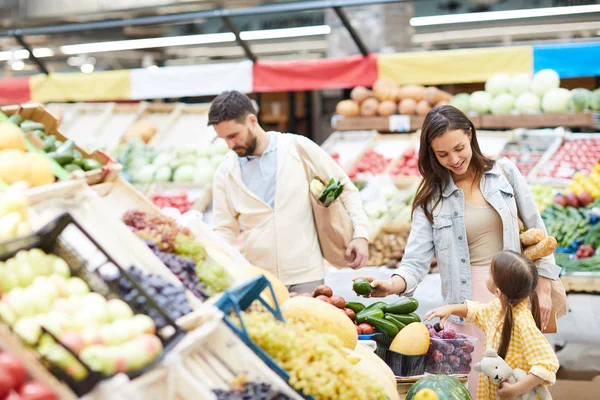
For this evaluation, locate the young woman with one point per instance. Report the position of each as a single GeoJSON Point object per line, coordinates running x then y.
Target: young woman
{"type": "Point", "coordinates": [511, 328]}
{"type": "Point", "coordinates": [464, 212]}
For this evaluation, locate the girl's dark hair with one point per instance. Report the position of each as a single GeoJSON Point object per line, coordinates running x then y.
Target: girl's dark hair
{"type": "Point", "coordinates": [438, 121]}
{"type": "Point", "coordinates": [517, 278]}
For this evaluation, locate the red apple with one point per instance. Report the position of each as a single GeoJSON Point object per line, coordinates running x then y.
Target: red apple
{"type": "Point", "coordinates": [571, 199]}
{"type": "Point", "coordinates": [13, 366]}
{"type": "Point", "coordinates": [36, 391]}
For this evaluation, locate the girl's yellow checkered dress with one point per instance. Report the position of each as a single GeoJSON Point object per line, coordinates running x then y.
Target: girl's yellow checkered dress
{"type": "Point", "coordinates": [528, 348]}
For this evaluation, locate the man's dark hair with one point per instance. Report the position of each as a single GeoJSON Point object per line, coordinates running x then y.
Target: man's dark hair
{"type": "Point", "coordinates": [228, 106]}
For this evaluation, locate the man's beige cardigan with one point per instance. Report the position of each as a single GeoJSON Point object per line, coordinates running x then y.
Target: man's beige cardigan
{"type": "Point", "coordinates": [283, 241]}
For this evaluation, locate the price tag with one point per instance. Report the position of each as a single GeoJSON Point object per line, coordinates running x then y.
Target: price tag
{"type": "Point", "coordinates": [399, 123]}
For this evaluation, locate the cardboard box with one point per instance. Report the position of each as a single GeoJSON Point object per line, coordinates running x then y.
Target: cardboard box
{"type": "Point", "coordinates": [38, 113]}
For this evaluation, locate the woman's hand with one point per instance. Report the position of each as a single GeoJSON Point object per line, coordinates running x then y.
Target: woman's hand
{"type": "Point", "coordinates": [443, 313]}
{"type": "Point", "coordinates": [544, 292]}
{"type": "Point", "coordinates": [384, 288]}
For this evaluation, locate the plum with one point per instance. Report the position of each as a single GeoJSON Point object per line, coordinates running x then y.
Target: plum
{"type": "Point", "coordinates": [437, 327]}
{"type": "Point", "coordinates": [437, 355]}
{"type": "Point", "coordinates": [469, 346]}
{"type": "Point", "coordinates": [466, 357]}
{"type": "Point", "coordinates": [454, 361]}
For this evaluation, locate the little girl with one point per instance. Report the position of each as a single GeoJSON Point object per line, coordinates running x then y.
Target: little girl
{"type": "Point", "coordinates": [511, 328]}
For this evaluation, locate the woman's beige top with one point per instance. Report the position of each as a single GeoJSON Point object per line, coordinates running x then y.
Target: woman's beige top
{"type": "Point", "coordinates": [484, 233]}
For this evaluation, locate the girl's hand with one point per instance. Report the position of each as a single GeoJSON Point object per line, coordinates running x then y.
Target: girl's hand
{"type": "Point", "coordinates": [442, 312]}
{"type": "Point", "coordinates": [507, 391]}
{"type": "Point", "coordinates": [382, 288]}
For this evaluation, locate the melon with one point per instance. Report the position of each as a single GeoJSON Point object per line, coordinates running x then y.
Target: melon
{"type": "Point", "coordinates": [322, 317]}
{"type": "Point", "coordinates": [381, 365]}
{"type": "Point", "coordinates": [446, 387]}
{"type": "Point", "coordinates": [366, 366]}
{"type": "Point", "coordinates": [413, 340]}
{"type": "Point", "coordinates": [408, 106]}
{"type": "Point", "coordinates": [369, 107]}
{"type": "Point", "coordinates": [348, 108]}
{"type": "Point", "coordinates": [415, 92]}
{"type": "Point", "coordinates": [360, 94]}
{"type": "Point", "coordinates": [387, 108]}
{"type": "Point", "coordinates": [10, 137]}
{"type": "Point", "coordinates": [385, 89]}
{"type": "Point", "coordinates": [40, 170]}
{"type": "Point", "coordinates": [281, 293]}
{"type": "Point", "coordinates": [13, 166]}
{"type": "Point", "coordinates": [423, 107]}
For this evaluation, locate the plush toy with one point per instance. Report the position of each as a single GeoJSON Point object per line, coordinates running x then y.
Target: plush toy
{"type": "Point", "coordinates": [495, 368]}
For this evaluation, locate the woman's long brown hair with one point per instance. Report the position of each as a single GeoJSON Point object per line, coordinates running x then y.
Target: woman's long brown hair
{"type": "Point", "coordinates": [517, 278]}
{"type": "Point", "coordinates": [438, 121]}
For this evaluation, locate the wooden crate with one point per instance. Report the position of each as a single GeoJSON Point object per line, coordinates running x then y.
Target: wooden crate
{"type": "Point", "coordinates": [586, 283]}
{"type": "Point", "coordinates": [186, 126]}
{"type": "Point", "coordinates": [394, 123]}
{"type": "Point", "coordinates": [580, 119]}
{"type": "Point", "coordinates": [35, 112]}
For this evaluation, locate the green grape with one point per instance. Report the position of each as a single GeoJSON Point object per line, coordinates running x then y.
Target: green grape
{"type": "Point", "coordinates": [213, 275]}
{"type": "Point", "coordinates": [188, 246]}
{"type": "Point", "coordinates": [316, 363]}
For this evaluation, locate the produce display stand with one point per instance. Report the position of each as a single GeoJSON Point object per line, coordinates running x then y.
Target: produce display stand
{"type": "Point", "coordinates": [582, 282]}
{"type": "Point", "coordinates": [411, 123]}
{"type": "Point", "coordinates": [347, 145]}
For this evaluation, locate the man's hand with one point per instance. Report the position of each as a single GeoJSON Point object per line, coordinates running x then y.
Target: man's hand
{"type": "Point", "coordinates": [544, 292]}
{"type": "Point", "coordinates": [357, 253]}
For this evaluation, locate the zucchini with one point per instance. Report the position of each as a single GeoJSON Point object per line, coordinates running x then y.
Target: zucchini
{"type": "Point", "coordinates": [61, 158]}
{"type": "Point", "coordinates": [72, 167]}
{"type": "Point", "coordinates": [395, 321]}
{"type": "Point", "coordinates": [50, 144]}
{"type": "Point", "coordinates": [15, 119]}
{"type": "Point", "coordinates": [403, 306]}
{"type": "Point", "coordinates": [383, 326]}
{"type": "Point", "coordinates": [364, 314]}
{"type": "Point", "coordinates": [378, 304]}
{"type": "Point", "coordinates": [354, 306]}
{"type": "Point", "coordinates": [39, 134]}
{"type": "Point", "coordinates": [66, 147]}
{"type": "Point", "coordinates": [362, 287]}
{"type": "Point", "coordinates": [29, 126]}
{"type": "Point", "coordinates": [406, 318]}
{"type": "Point", "coordinates": [90, 164]}
{"type": "Point", "coordinates": [415, 316]}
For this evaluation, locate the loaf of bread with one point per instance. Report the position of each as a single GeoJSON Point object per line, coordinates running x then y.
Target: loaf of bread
{"type": "Point", "coordinates": [541, 249]}
{"type": "Point", "coordinates": [531, 237]}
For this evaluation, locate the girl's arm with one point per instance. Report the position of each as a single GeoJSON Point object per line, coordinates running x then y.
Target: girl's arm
{"type": "Point", "coordinates": [510, 391]}
{"type": "Point", "coordinates": [537, 350]}
{"type": "Point", "coordinates": [444, 312]}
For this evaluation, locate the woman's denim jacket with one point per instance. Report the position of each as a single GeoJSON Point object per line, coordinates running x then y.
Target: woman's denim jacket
{"type": "Point", "coordinates": [447, 236]}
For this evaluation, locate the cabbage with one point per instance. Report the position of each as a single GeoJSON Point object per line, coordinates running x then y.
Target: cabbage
{"type": "Point", "coordinates": [138, 162]}
{"type": "Point", "coordinates": [162, 159]}
{"type": "Point", "coordinates": [144, 174]}
{"type": "Point", "coordinates": [204, 151]}
{"type": "Point", "coordinates": [520, 84]}
{"type": "Point", "coordinates": [497, 84]}
{"type": "Point", "coordinates": [528, 103]}
{"type": "Point", "coordinates": [204, 176]}
{"type": "Point", "coordinates": [480, 102]}
{"type": "Point", "coordinates": [203, 162]}
{"type": "Point", "coordinates": [543, 81]}
{"type": "Point", "coordinates": [184, 173]}
{"type": "Point", "coordinates": [595, 100]}
{"type": "Point", "coordinates": [216, 160]}
{"type": "Point", "coordinates": [580, 99]}
{"type": "Point", "coordinates": [503, 103]}
{"type": "Point", "coordinates": [556, 100]}
{"type": "Point", "coordinates": [461, 101]}
{"type": "Point", "coordinates": [220, 147]}
{"type": "Point", "coordinates": [163, 174]}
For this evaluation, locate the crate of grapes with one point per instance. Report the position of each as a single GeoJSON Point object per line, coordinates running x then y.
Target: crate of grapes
{"type": "Point", "coordinates": [61, 296]}
{"type": "Point", "coordinates": [240, 298]}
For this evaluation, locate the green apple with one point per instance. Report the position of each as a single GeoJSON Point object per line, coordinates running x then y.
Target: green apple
{"type": "Point", "coordinates": [77, 286]}
{"type": "Point", "coordinates": [61, 284]}
{"type": "Point", "coordinates": [135, 355]}
{"type": "Point", "coordinates": [114, 334]}
{"type": "Point", "coordinates": [72, 340]}
{"type": "Point", "coordinates": [144, 324]}
{"type": "Point", "coordinates": [118, 309]}
{"type": "Point", "coordinates": [65, 360]}
{"type": "Point", "coordinates": [54, 321]}
{"type": "Point", "coordinates": [28, 329]}
{"type": "Point", "coordinates": [60, 267]}
{"type": "Point", "coordinates": [40, 262]}
{"type": "Point", "coordinates": [25, 275]}
{"type": "Point", "coordinates": [23, 229]}
{"type": "Point", "coordinates": [44, 284]}
{"type": "Point", "coordinates": [105, 359]}
{"type": "Point", "coordinates": [7, 315]}
{"type": "Point", "coordinates": [8, 280]}
{"type": "Point", "coordinates": [91, 336]}
{"type": "Point", "coordinates": [8, 226]}
{"type": "Point", "coordinates": [40, 300]}
{"type": "Point", "coordinates": [20, 301]}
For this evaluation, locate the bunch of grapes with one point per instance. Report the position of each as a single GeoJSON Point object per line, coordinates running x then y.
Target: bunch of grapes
{"type": "Point", "coordinates": [213, 275]}
{"type": "Point", "coordinates": [188, 246]}
{"type": "Point", "coordinates": [159, 228]}
{"type": "Point", "coordinates": [316, 362]}
{"type": "Point", "coordinates": [183, 269]}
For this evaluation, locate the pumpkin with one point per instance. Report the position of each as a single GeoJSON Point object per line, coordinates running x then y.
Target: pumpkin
{"type": "Point", "coordinates": [413, 340]}
{"type": "Point", "coordinates": [385, 90]}
{"type": "Point", "coordinates": [408, 106]}
{"type": "Point", "coordinates": [415, 92]}
{"type": "Point", "coordinates": [142, 129]}
{"type": "Point", "coordinates": [446, 387]}
{"type": "Point", "coordinates": [322, 317]}
{"type": "Point", "coordinates": [40, 170]}
{"type": "Point", "coordinates": [281, 293]}
{"type": "Point", "coordinates": [369, 107]}
{"type": "Point", "coordinates": [368, 367]}
{"type": "Point", "coordinates": [11, 137]}
{"type": "Point", "coordinates": [348, 108]}
{"type": "Point", "coordinates": [14, 166]}
{"type": "Point", "coordinates": [360, 94]}
{"type": "Point", "coordinates": [387, 108]}
{"type": "Point", "coordinates": [423, 107]}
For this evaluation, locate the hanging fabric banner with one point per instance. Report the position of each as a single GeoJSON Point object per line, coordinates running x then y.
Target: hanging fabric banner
{"type": "Point", "coordinates": [14, 90]}
{"type": "Point", "coordinates": [454, 66]}
{"type": "Point", "coordinates": [98, 86]}
{"type": "Point", "coordinates": [338, 73]}
{"type": "Point", "coordinates": [193, 80]}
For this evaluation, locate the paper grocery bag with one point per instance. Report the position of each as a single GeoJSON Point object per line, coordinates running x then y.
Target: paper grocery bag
{"type": "Point", "coordinates": [333, 224]}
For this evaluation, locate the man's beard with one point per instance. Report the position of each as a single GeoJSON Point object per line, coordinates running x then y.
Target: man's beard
{"type": "Point", "coordinates": [249, 149]}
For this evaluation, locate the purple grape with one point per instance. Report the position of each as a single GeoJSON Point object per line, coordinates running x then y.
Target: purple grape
{"type": "Point", "coordinates": [437, 327]}
{"type": "Point", "coordinates": [429, 326]}
{"type": "Point", "coordinates": [454, 361]}
{"type": "Point", "coordinates": [458, 352]}
{"type": "Point", "coordinates": [469, 346]}
{"type": "Point", "coordinates": [448, 349]}
{"type": "Point", "coordinates": [432, 332]}
{"type": "Point", "coordinates": [449, 333]}
{"type": "Point", "coordinates": [438, 357]}
{"type": "Point", "coordinates": [466, 357]}
{"type": "Point", "coordinates": [445, 369]}
{"type": "Point", "coordinates": [464, 369]}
